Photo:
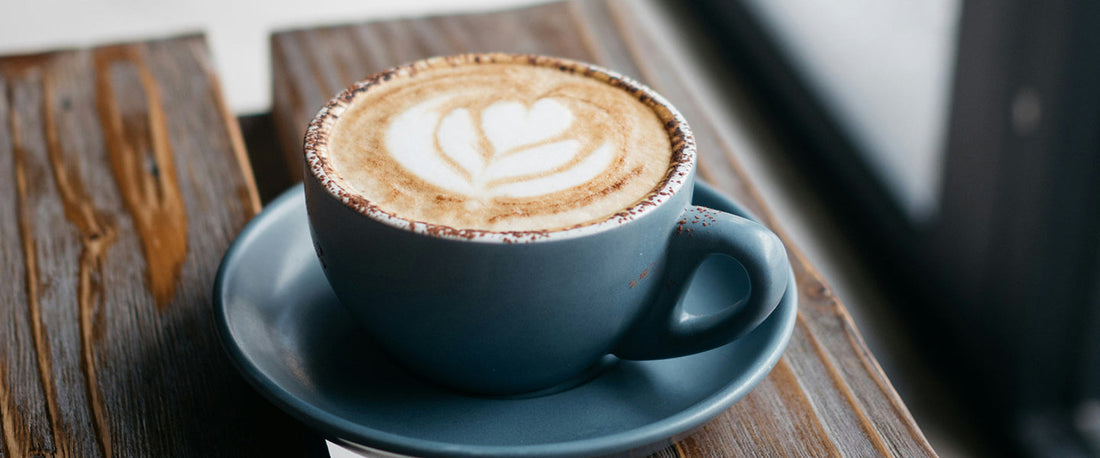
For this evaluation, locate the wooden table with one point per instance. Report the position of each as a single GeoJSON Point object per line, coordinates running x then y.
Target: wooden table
{"type": "Point", "coordinates": [123, 178]}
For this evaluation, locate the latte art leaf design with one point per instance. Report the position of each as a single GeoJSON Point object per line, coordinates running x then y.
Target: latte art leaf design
{"type": "Point", "coordinates": [506, 149]}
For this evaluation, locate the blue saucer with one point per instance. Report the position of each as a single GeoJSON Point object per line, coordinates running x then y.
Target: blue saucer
{"type": "Point", "coordinates": [285, 331]}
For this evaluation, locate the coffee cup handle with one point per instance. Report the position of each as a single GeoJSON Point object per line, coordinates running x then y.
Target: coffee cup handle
{"type": "Point", "coordinates": [664, 330]}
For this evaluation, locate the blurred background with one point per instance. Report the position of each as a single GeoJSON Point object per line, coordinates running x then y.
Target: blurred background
{"type": "Point", "coordinates": [958, 145]}
{"type": "Point", "coordinates": [938, 160]}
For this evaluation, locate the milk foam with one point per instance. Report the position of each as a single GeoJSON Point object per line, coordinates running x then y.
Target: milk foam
{"type": "Point", "coordinates": [515, 161]}
{"type": "Point", "coordinates": [500, 147]}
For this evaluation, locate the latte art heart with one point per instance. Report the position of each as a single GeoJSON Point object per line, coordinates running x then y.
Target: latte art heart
{"type": "Point", "coordinates": [506, 149]}
{"type": "Point", "coordinates": [500, 147]}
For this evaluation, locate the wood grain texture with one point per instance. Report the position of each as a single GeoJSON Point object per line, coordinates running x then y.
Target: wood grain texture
{"type": "Point", "coordinates": [826, 397]}
{"type": "Point", "coordinates": [123, 179]}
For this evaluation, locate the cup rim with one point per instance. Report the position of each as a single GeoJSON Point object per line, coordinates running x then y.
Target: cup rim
{"type": "Point", "coordinates": [679, 172]}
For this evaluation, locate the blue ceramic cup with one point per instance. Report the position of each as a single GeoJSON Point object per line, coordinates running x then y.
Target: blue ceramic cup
{"type": "Point", "coordinates": [515, 312]}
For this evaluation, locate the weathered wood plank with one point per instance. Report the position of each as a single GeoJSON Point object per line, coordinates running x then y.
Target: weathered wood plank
{"type": "Point", "coordinates": [828, 395]}
{"type": "Point", "coordinates": [124, 178]}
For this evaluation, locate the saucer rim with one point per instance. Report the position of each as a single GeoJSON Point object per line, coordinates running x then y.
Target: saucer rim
{"type": "Point", "coordinates": [333, 426]}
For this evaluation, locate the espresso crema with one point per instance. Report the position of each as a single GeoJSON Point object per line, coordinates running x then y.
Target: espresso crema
{"type": "Point", "coordinates": [500, 147]}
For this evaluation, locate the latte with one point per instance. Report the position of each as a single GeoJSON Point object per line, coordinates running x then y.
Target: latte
{"type": "Point", "coordinates": [499, 146]}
